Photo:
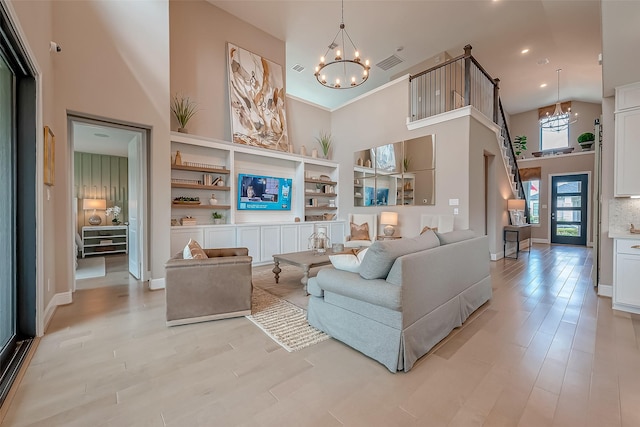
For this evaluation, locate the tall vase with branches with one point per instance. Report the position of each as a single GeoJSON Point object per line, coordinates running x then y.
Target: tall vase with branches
{"type": "Point", "coordinates": [324, 140]}
{"type": "Point", "coordinates": [183, 108]}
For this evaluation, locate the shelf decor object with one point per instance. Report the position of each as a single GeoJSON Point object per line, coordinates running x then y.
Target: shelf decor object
{"type": "Point", "coordinates": [389, 219]}
{"type": "Point", "coordinates": [257, 109]}
{"type": "Point", "coordinates": [94, 204]}
{"type": "Point", "coordinates": [341, 72]}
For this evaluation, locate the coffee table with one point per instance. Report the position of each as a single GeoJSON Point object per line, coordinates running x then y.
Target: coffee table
{"type": "Point", "coordinates": [307, 260]}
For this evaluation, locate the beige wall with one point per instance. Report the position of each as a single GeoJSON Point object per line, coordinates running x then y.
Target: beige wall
{"type": "Point", "coordinates": [199, 36]}
{"type": "Point", "coordinates": [527, 124]}
{"type": "Point", "coordinates": [557, 165]}
{"type": "Point", "coordinates": [608, 139]}
{"type": "Point", "coordinates": [306, 121]}
{"type": "Point", "coordinates": [114, 64]}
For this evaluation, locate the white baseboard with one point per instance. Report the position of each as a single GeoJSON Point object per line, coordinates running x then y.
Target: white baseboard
{"type": "Point", "coordinates": [605, 290]}
{"type": "Point", "coordinates": [497, 256]}
{"type": "Point", "coordinates": [156, 284]}
{"type": "Point", "coordinates": [58, 299]}
{"type": "Point", "coordinates": [536, 240]}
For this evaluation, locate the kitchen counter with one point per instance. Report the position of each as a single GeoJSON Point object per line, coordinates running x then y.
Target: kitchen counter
{"type": "Point", "coordinates": [626, 235]}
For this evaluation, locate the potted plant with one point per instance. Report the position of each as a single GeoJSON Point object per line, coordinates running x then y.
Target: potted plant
{"type": "Point", "coordinates": [183, 108]}
{"type": "Point", "coordinates": [217, 218]}
{"type": "Point", "coordinates": [324, 140]}
{"type": "Point", "coordinates": [519, 144]}
{"type": "Point", "coordinates": [586, 140]}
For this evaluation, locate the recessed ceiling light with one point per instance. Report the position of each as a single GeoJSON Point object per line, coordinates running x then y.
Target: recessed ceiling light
{"type": "Point", "coordinates": [101, 135]}
{"type": "Point", "coordinates": [543, 85]}
{"type": "Point", "coordinates": [523, 51]}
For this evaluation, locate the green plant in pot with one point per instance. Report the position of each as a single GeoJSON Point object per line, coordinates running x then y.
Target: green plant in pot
{"type": "Point", "coordinates": [183, 108]}
{"type": "Point", "coordinates": [519, 144]}
{"type": "Point", "coordinates": [217, 218]}
{"type": "Point", "coordinates": [324, 140]}
{"type": "Point", "coordinates": [586, 140]}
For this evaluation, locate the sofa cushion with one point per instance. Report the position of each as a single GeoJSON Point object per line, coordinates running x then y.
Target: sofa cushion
{"type": "Point", "coordinates": [360, 232]}
{"type": "Point", "coordinates": [193, 250]}
{"type": "Point", "coordinates": [383, 253]}
{"type": "Point", "coordinates": [348, 261]}
{"type": "Point", "coordinates": [377, 292]}
{"type": "Point", "coordinates": [455, 236]}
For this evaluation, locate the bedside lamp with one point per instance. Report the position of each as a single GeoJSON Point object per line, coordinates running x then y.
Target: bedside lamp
{"type": "Point", "coordinates": [88, 204]}
{"type": "Point", "coordinates": [389, 219]}
{"type": "Point", "coordinates": [516, 211]}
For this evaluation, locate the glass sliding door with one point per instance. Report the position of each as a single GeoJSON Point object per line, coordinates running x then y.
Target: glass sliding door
{"type": "Point", "coordinates": [7, 216]}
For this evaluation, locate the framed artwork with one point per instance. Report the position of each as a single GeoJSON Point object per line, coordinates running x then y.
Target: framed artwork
{"type": "Point", "coordinates": [49, 156]}
{"type": "Point", "coordinates": [257, 99]}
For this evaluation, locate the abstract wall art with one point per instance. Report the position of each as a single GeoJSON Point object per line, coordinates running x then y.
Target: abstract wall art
{"type": "Point", "coordinates": [257, 98]}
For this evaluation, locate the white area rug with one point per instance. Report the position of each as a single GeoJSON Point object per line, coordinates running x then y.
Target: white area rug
{"type": "Point", "coordinates": [284, 322]}
{"type": "Point", "coordinates": [88, 268]}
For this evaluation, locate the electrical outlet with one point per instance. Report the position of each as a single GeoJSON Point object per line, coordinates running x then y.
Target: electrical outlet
{"type": "Point", "coordinates": [455, 211]}
{"type": "Point", "coordinates": [425, 201]}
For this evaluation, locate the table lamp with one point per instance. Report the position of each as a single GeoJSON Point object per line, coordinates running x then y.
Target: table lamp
{"type": "Point", "coordinates": [88, 204]}
{"type": "Point", "coordinates": [389, 219]}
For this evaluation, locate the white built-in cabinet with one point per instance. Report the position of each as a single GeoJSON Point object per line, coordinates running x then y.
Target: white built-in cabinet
{"type": "Point", "coordinates": [264, 233]}
{"type": "Point", "coordinates": [626, 270]}
{"type": "Point", "coordinates": [627, 141]}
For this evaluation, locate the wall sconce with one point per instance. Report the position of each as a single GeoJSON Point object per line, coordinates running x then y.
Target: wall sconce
{"type": "Point", "coordinates": [88, 204]}
{"type": "Point", "coordinates": [389, 219]}
{"type": "Point", "coordinates": [516, 211]}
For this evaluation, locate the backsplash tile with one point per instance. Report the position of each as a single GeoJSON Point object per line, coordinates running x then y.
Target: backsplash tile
{"type": "Point", "coordinates": [623, 213]}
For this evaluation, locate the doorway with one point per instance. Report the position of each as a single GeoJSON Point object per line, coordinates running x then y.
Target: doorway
{"type": "Point", "coordinates": [569, 199]}
{"type": "Point", "coordinates": [109, 164]}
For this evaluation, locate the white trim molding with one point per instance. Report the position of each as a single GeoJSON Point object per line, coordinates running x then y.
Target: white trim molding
{"type": "Point", "coordinates": [156, 284]}
{"type": "Point", "coordinates": [538, 240]}
{"type": "Point", "coordinates": [62, 298]}
{"type": "Point", "coordinates": [605, 290]}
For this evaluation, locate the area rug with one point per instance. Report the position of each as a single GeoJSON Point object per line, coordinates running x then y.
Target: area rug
{"type": "Point", "coordinates": [283, 322]}
{"type": "Point", "coordinates": [88, 268]}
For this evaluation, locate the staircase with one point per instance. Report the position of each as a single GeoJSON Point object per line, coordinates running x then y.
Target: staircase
{"type": "Point", "coordinates": [509, 158]}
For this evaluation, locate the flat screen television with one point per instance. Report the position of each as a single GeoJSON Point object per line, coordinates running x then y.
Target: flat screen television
{"type": "Point", "coordinates": [263, 193]}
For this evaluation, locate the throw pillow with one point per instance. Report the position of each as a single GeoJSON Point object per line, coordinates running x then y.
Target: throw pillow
{"type": "Point", "coordinates": [193, 250]}
{"type": "Point", "coordinates": [349, 261]}
{"type": "Point", "coordinates": [427, 228]}
{"type": "Point", "coordinates": [383, 253]}
{"type": "Point", "coordinates": [455, 236]}
{"type": "Point", "coordinates": [360, 232]}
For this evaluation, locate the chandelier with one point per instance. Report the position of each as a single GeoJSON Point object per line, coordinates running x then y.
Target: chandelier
{"type": "Point", "coordinates": [342, 73]}
{"type": "Point", "coordinates": [558, 120]}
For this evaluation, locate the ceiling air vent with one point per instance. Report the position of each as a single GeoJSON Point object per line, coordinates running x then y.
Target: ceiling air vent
{"type": "Point", "coordinates": [299, 68]}
{"type": "Point", "coordinates": [390, 62]}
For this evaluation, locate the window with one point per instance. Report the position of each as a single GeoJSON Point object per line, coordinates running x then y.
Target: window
{"type": "Point", "coordinates": [533, 199]}
{"type": "Point", "coordinates": [550, 139]}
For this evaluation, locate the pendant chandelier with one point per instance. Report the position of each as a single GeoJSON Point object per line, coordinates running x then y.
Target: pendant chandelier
{"type": "Point", "coordinates": [558, 120]}
{"type": "Point", "coordinates": [342, 73]}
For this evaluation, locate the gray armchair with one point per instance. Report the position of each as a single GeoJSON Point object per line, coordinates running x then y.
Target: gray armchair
{"type": "Point", "coordinates": [198, 290]}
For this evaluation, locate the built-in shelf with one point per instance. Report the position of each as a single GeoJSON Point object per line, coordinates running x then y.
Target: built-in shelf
{"type": "Point", "coordinates": [200, 169]}
{"type": "Point", "coordinates": [188, 206]}
{"type": "Point", "coordinates": [200, 186]}
{"type": "Point", "coordinates": [309, 194]}
{"type": "Point", "coordinates": [324, 208]}
{"type": "Point", "coordinates": [319, 181]}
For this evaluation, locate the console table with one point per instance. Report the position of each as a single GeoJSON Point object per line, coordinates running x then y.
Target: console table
{"type": "Point", "coordinates": [105, 239]}
{"type": "Point", "coordinates": [515, 233]}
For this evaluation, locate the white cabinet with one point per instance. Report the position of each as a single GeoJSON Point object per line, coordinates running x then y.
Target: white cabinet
{"type": "Point", "coordinates": [289, 238]}
{"type": "Point", "coordinates": [626, 271]}
{"type": "Point", "coordinates": [270, 242]}
{"type": "Point", "coordinates": [106, 239]}
{"type": "Point", "coordinates": [249, 237]}
{"type": "Point", "coordinates": [180, 237]}
{"type": "Point", "coordinates": [336, 232]}
{"type": "Point", "coordinates": [219, 237]}
{"type": "Point", "coordinates": [627, 141]}
{"type": "Point", "coordinates": [304, 232]}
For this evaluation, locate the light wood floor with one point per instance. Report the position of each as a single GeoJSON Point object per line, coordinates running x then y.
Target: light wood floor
{"type": "Point", "coordinates": [546, 351]}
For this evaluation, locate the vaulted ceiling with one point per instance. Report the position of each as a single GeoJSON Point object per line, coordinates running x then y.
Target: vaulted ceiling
{"type": "Point", "coordinates": [557, 34]}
